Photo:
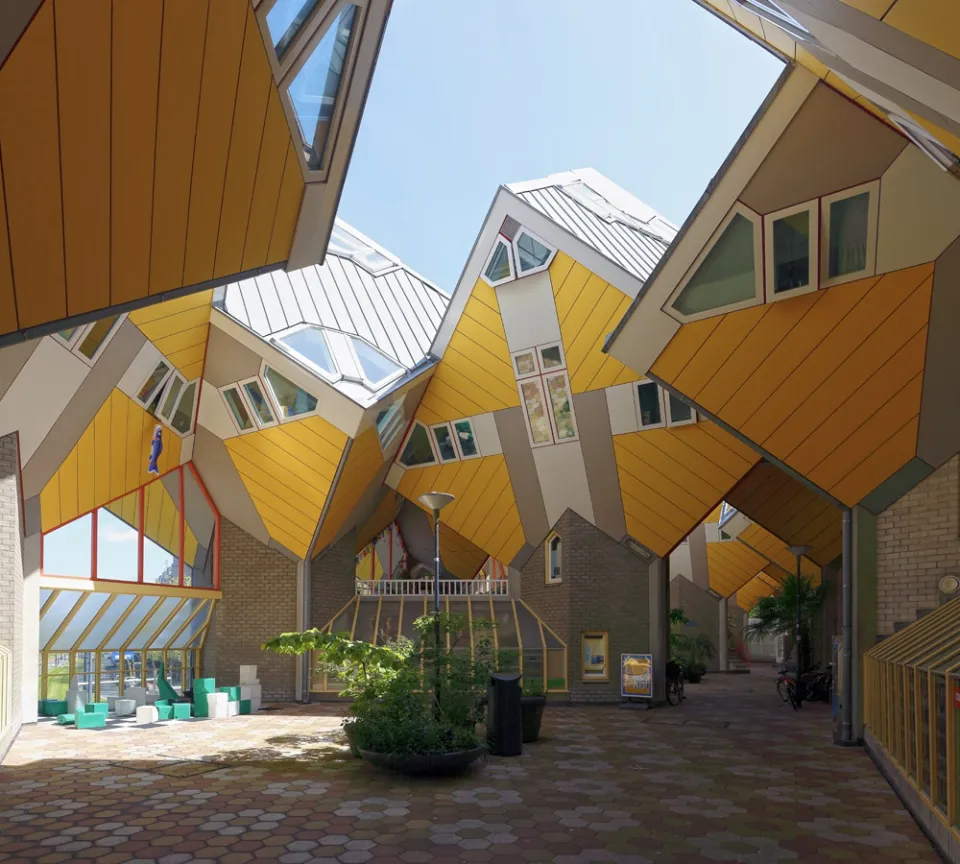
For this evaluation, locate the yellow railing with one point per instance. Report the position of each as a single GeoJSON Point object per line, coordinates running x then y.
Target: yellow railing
{"type": "Point", "coordinates": [911, 703]}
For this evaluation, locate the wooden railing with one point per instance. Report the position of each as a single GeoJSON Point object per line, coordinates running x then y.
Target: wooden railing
{"type": "Point", "coordinates": [424, 587]}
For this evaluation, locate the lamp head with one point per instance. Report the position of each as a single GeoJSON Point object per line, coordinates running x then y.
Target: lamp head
{"type": "Point", "coordinates": [800, 550]}
{"type": "Point", "coordinates": [436, 500]}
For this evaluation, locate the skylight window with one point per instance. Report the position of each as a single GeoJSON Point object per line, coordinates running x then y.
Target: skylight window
{"type": "Point", "coordinates": [311, 345]}
{"type": "Point", "coordinates": [315, 90]}
{"type": "Point", "coordinates": [284, 21]}
{"type": "Point", "coordinates": [344, 244]}
{"type": "Point", "coordinates": [291, 400]}
{"type": "Point", "coordinates": [376, 367]}
{"type": "Point", "coordinates": [597, 204]}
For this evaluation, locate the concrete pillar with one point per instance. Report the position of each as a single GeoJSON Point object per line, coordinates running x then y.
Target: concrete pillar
{"type": "Point", "coordinates": [31, 610]}
{"type": "Point", "coordinates": [11, 586]}
{"type": "Point", "coordinates": [298, 689]}
{"type": "Point", "coordinates": [722, 652]}
{"type": "Point", "coordinates": [659, 624]}
{"type": "Point", "coordinates": [864, 604]}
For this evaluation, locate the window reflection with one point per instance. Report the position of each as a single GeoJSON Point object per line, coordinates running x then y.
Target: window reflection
{"type": "Point", "coordinates": [118, 539]}
{"type": "Point", "coordinates": [199, 535]}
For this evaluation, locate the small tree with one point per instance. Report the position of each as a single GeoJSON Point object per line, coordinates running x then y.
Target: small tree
{"type": "Point", "coordinates": [777, 613]}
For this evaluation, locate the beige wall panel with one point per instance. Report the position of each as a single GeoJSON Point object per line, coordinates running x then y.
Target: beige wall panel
{"type": "Point", "coordinates": [82, 408]}
{"type": "Point", "coordinates": [186, 449]}
{"type": "Point", "coordinates": [621, 410]}
{"type": "Point", "coordinates": [140, 367]}
{"type": "Point", "coordinates": [12, 360]}
{"type": "Point", "coordinates": [596, 444]}
{"type": "Point", "coordinates": [227, 360]}
{"type": "Point", "coordinates": [919, 212]}
{"type": "Point", "coordinates": [52, 371]}
{"type": "Point", "coordinates": [563, 481]}
{"type": "Point", "coordinates": [523, 474]}
{"type": "Point", "coordinates": [680, 563]}
{"type": "Point", "coordinates": [223, 482]}
{"type": "Point", "coordinates": [488, 439]}
{"type": "Point", "coordinates": [213, 414]}
{"type": "Point", "coordinates": [529, 312]}
{"type": "Point", "coordinates": [938, 437]}
{"type": "Point", "coordinates": [394, 476]}
{"type": "Point", "coordinates": [15, 15]}
{"type": "Point", "coordinates": [697, 542]}
{"type": "Point", "coordinates": [861, 148]}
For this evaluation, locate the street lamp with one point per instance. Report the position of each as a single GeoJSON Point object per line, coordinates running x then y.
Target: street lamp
{"type": "Point", "coordinates": [799, 551]}
{"type": "Point", "coordinates": [436, 501]}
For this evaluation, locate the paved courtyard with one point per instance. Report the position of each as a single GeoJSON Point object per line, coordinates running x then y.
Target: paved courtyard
{"type": "Point", "coordinates": [731, 775]}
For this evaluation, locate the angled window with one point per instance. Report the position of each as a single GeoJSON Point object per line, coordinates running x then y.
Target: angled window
{"type": "Point", "coordinates": [154, 382]}
{"type": "Point", "coordinates": [943, 156]}
{"type": "Point", "coordinates": [182, 420]}
{"type": "Point", "coordinates": [443, 437]}
{"type": "Point", "coordinates": [525, 364]}
{"type": "Point", "coordinates": [346, 244]}
{"type": "Point", "coordinates": [726, 274]}
{"type": "Point", "coordinates": [374, 365]}
{"type": "Point", "coordinates": [791, 251]}
{"type": "Point", "coordinates": [315, 89]}
{"type": "Point", "coordinates": [499, 267]}
{"type": "Point", "coordinates": [292, 401]}
{"type": "Point", "coordinates": [849, 234]}
{"type": "Point", "coordinates": [68, 336]}
{"type": "Point", "coordinates": [417, 449]}
{"type": "Point", "coordinates": [533, 255]}
{"type": "Point", "coordinates": [554, 559]}
{"type": "Point", "coordinates": [535, 411]}
{"type": "Point", "coordinates": [284, 21]}
{"type": "Point", "coordinates": [95, 339]}
{"type": "Point", "coordinates": [238, 408]}
{"type": "Point", "coordinates": [465, 439]}
{"type": "Point", "coordinates": [561, 403]}
{"type": "Point", "coordinates": [389, 423]}
{"type": "Point", "coordinates": [649, 405]}
{"type": "Point", "coordinates": [257, 400]}
{"type": "Point", "coordinates": [173, 391]}
{"type": "Point", "coordinates": [309, 345]}
{"type": "Point", "coordinates": [679, 413]}
{"type": "Point", "coordinates": [551, 357]}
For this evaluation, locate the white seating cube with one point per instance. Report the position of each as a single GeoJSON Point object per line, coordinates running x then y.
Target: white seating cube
{"type": "Point", "coordinates": [125, 707]}
{"type": "Point", "coordinates": [111, 703]}
{"type": "Point", "coordinates": [248, 675]}
{"type": "Point", "coordinates": [147, 714]}
{"type": "Point", "coordinates": [138, 694]}
{"type": "Point", "coordinates": [217, 705]}
{"type": "Point", "coordinates": [233, 709]}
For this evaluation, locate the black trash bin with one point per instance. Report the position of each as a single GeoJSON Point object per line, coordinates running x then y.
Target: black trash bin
{"type": "Point", "coordinates": [504, 723]}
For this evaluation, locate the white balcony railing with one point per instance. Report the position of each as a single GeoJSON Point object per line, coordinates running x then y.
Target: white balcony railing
{"type": "Point", "coordinates": [424, 588]}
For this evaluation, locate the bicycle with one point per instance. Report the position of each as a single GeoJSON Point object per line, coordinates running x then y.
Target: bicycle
{"type": "Point", "coordinates": [674, 684]}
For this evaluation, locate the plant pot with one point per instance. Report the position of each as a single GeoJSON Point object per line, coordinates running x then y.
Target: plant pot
{"type": "Point", "coordinates": [531, 715]}
{"type": "Point", "coordinates": [430, 764]}
{"type": "Point", "coordinates": [351, 740]}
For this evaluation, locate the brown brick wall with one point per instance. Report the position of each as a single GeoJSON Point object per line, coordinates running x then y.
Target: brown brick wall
{"type": "Point", "coordinates": [11, 579]}
{"type": "Point", "coordinates": [703, 611]}
{"type": "Point", "coordinates": [259, 588]}
{"type": "Point", "coordinates": [918, 542]}
{"type": "Point", "coordinates": [332, 577]}
{"type": "Point", "coordinates": [605, 587]}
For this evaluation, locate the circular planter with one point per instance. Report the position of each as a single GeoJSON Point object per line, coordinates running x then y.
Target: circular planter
{"type": "Point", "coordinates": [427, 764]}
{"type": "Point", "coordinates": [531, 716]}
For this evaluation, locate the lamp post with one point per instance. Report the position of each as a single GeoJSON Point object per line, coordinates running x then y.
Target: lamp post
{"type": "Point", "coordinates": [799, 552]}
{"type": "Point", "coordinates": [436, 501]}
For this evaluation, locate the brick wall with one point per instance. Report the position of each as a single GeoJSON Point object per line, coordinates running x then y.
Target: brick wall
{"type": "Point", "coordinates": [332, 577]}
{"type": "Point", "coordinates": [605, 587]}
{"type": "Point", "coordinates": [259, 588]}
{"type": "Point", "coordinates": [11, 582]}
{"type": "Point", "coordinates": [918, 542]}
{"type": "Point", "coordinates": [701, 608]}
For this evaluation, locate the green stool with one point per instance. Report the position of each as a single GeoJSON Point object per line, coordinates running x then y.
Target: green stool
{"type": "Point", "coordinates": [164, 709]}
{"type": "Point", "coordinates": [54, 707]}
{"type": "Point", "coordinates": [96, 708]}
{"type": "Point", "coordinates": [204, 685]}
{"type": "Point", "coordinates": [233, 693]}
{"type": "Point", "coordinates": [181, 710]}
{"type": "Point", "coordinates": [93, 720]}
{"type": "Point", "coordinates": [245, 706]}
{"type": "Point", "coordinates": [65, 719]}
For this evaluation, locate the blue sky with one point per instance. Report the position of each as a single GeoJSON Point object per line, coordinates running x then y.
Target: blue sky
{"type": "Point", "coordinates": [466, 96]}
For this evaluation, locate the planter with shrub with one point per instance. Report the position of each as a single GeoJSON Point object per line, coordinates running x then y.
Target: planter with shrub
{"type": "Point", "coordinates": [532, 703]}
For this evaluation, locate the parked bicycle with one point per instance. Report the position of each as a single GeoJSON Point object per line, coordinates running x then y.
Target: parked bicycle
{"type": "Point", "coordinates": [813, 686]}
{"type": "Point", "coordinates": [674, 683]}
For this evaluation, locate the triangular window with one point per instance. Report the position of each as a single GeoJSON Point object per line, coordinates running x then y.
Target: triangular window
{"type": "Point", "coordinates": [531, 253]}
{"type": "Point", "coordinates": [499, 266]}
{"type": "Point", "coordinates": [418, 450]}
{"type": "Point", "coordinates": [727, 274]}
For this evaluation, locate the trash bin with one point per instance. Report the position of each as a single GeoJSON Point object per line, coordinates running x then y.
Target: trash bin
{"type": "Point", "coordinates": [504, 723]}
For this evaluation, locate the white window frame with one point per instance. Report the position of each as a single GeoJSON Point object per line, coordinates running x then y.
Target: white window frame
{"type": "Point", "coordinates": [395, 421]}
{"type": "Point", "coordinates": [253, 420]}
{"type": "Point", "coordinates": [539, 355]}
{"type": "Point", "coordinates": [548, 577]}
{"type": "Point", "coordinates": [193, 411]}
{"type": "Point", "coordinates": [435, 444]}
{"type": "Point", "coordinates": [366, 382]}
{"type": "Point", "coordinates": [538, 380]}
{"type": "Point", "coordinates": [69, 343]}
{"type": "Point", "coordinates": [546, 378]}
{"type": "Point", "coordinates": [406, 440]}
{"type": "Point", "coordinates": [873, 210]}
{"type": "Point", "coordinates": [536, 363]}
{"type": "Point", "coordinates": [757, 221]}
{"type": "Point", "coordinates": [73, 345]}
{"type": "Point", "coordinates": [456, 438]}
{"type": "Point", "coordinates": [516, 253]}
{"type": "Point", "coordinates": [770, 11]}
{"type": "Point", "coordinates": [508, 244]}
{"type": "Point", "coordinates": [641, 427]}
{"type": "Point", "coordinates": [668, 411]}
{"type": "Point", "coordinates": [272, 398]}
{"type": "Point", "coordinates": [162, 385]}
{"type": "Point", "coordinates": [811, 208]}
{"type": "Point", "coordinates": [302, 359]}
{"type": "Point", "coordinates": [268, 398]}
{"type": "Point", "coordinates": [166, 390]}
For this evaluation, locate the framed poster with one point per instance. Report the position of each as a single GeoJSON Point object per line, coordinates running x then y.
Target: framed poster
{"type": "Point", "coordinates": [636, 675]}
{"type": "Point", "coordinates": [594, 653]}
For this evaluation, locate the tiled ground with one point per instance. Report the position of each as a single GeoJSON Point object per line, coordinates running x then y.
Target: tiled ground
{"type": "Point", "coordinates": [731, 775]}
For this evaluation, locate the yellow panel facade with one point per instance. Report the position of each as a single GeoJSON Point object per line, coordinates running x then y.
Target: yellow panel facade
{"type": "Point", "coordinates": [109, 460]}
{"type": "Point", "coordinates": [773, 548]}
{"type": "Point", "coordinates": [288, 471]}
{"type": "Point", "coordinates": [755, 590]}
{"type": "Point", "coordinates": [178, 329]}
{"type": "Point", "coordinates": [731, 565]}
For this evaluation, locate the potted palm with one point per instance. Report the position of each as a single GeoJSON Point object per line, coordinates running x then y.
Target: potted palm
{"type": "Point", "coordinates": [695, 652]}
{"type": "Point", "coordinates": [777, 613]}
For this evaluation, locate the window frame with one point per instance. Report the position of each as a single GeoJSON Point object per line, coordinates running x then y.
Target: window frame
{"type": "Point", "coordinates": [275, 402]}
{"type": "Point", "coordinates": [406, 440]}
{"type": "Point", "coordinates": [253, 420]}
{"type": "Point", "coordinates": [546, 378]}
{"type": "Point", "coordinates": [514, 243]}
{"type": "Point", "coordinates": [536, 363]}
{"type": "Point", "coordinates": [73, 344]}
{"type": "Point", "coordinates": [166, 391]}
{"type": "Point", "coordinates": [549, 578]}
{"type": "Point", "coordinates": [302, 359]}
{"type": "Point", "coordinates": [456, 439]}
{"type": "Point", "coordinates": [925, 141]}
{"type": "Point", "coordinates": [391, 412]}
{"type": "Point", "coordinates": [267, 394]}
{"type": "Point", "coordinates": [812, 208]}
{"type": "Point", "coordinates": [641, 427]}
{"type": "Point", "coordinates": [539, 349]}
{"type": "Point", "coordinates": [668, 411]}
{"type": "Point", "coordinates": [756, 220]}
{"type": "Point", "coordinates": [366, 382]}
{"type": "Point", "coordinates": [508, 244]}
{"type": "Point", "coordinates": [873, 215]}
{"type": "Point", "coordinates": [604, 636]}
{"type": "Point", "coordinates": [160, 386]}
{"type": "Point", "coordinates": [435, 443]}
{"type": "Point", "coordinates": [538, 379]}
{"type": "Point", "coordinates": [193, 411]}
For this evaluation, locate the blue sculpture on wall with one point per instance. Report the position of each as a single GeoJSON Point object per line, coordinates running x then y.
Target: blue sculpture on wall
{"type": "Point", "coordinates": [156, 448]}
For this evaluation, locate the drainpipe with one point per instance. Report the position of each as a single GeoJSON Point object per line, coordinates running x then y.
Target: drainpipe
{"type": "Point", "coordinates": [846, 693]}
{"type": "Point", "coordinates": [305, 601]}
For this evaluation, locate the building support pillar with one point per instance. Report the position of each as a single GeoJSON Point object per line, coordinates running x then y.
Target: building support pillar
{"type": "Point", "coordinates": [659, 574]}
{"type": "Point", "coordinates": [723, 658]}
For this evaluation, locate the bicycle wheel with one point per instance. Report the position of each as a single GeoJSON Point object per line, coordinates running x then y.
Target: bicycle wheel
{"type": "Point", "coordinates": [792, 695]}
{"type": "Point", "coordinates": [782, 689]}
{"type": "Point", "coordinates": [674, 693]}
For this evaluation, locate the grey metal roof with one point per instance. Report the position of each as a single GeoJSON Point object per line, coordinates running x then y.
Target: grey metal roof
{"type": "Point", "coordinates": [397, 311]}
{"type": "Point", "coordinates": [629, 233]}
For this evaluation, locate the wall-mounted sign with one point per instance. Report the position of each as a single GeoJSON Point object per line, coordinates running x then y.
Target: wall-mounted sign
{"type": "Point", "coordinates": [595, 656]}
{"type": "Point", "coordinates": [636, 675]}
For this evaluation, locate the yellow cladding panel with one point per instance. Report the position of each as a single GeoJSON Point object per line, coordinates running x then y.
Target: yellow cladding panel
{"type": "Point", "coordinates": [461, 557]}
{"type": "Point", "coordinates": [364, 460]}
{"type": "Point", "coordinates": [178, 329]}
{"type": "Point", "coordinates": [755, 590]}
{"type": "Point", "coordinates": [475, 375]}
{"type": "Point", "coordinates": [288, 470]}
{"type": "Point", "coordinates": [484, 511]}
{"type": "Point", "coordinates": [109, 460]}
{"type": "Point", "coordinates": [588, 309]}
{"type": "Point", "coordinates": [775, 550]}
{"type": "Point", "coordinates": [731, 565]}
{"type": "Point", "coordinates": [385, 513]}
{"type": "Point", "coordinates": [670, 479]}
{"type": "Point", "coordinates": [829, 382]}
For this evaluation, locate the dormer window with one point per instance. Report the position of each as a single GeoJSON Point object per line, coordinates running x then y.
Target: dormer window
{"type": "Point", "coordinates": [311, 346]}
{"type": "Point", "coordinates": [166, 395]}
{"type": "Point", "coordinates": [499, 267]}
{"type": "Point", "coordinates": [345, 243]}
{"type": "Point", "coordinates": [516, 252]}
